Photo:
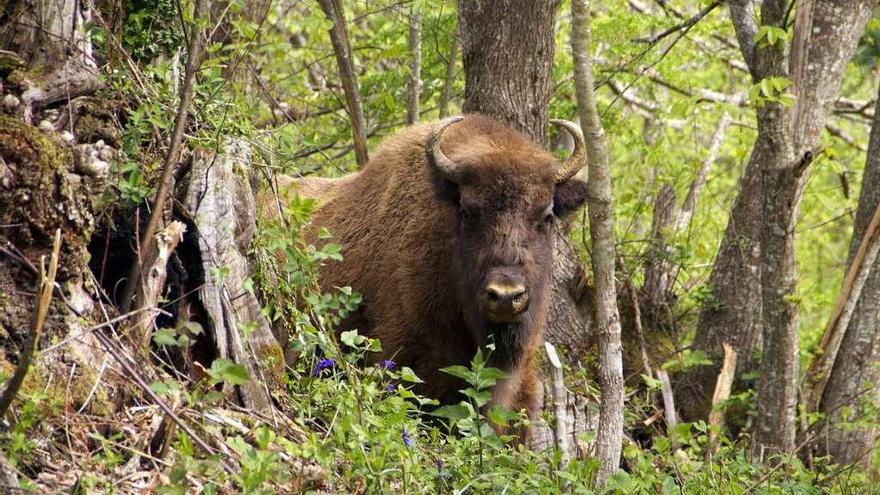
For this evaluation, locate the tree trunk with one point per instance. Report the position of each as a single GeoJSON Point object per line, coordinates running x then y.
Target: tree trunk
{"type": "Point", "coordinates": [609, 437]}
{"type": "Point", "coordinates": [51, 36]}
{"type": "Point", "coordinates": [825, 37]}
{"type": "Point", "coordinates": [507, 48]}
{"type": "Point", "coordinates": [48, 184]}
{"type": "Point", "coordinates": [852, 390]}
{"type": "Point", "coordinates": [334, 11]}
{"type": "Point", "coordinates": [414, 84]}
{"type": "Point", "coordinates": [449, 77]}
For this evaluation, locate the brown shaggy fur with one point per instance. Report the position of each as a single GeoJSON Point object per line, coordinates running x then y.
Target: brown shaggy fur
{"type": "Point", "coordinates": [418, 248]}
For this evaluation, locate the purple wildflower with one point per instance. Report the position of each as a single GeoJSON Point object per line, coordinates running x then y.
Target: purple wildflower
{"type": "Point", "coordinates": [392, 386]}
{"type": "Point", "coordinates": [323, 364]}
{"type": "Point", "coordinates": [406, 439]}
{"type": "Point", "coordinates": [388, 364]}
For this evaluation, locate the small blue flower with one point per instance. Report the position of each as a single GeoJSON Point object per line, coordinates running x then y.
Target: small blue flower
{"type": "Point", "coordinates": [388, 364]}
{"type": "Point", "coordinates": [323, 364]}
{"type": "Point", "coordinates": [406, 439]}
{"type": "Point", "coordinates": [392, 386]}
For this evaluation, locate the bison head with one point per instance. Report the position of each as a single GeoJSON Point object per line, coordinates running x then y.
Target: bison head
{"type": "Point", "coordinates": [508, 193]}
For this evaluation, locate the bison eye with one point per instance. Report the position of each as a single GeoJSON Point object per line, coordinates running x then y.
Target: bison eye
{"type": "Point", "coordinates": [466, 214]}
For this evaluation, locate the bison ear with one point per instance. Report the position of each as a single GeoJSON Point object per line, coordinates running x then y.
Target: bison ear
{"type": "Point", "coordinates": [568, 197]}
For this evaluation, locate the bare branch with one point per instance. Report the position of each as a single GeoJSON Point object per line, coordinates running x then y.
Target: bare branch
{"type": "Point", "coordinates": [687, 24]}
{"type": "Point", "coordinates": [144, 258]}
{"type": "Point", "coordinates": [690, 201]}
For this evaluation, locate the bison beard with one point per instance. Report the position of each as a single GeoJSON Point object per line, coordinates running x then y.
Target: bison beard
{"type": "Point", "coordinates": [447, 234]}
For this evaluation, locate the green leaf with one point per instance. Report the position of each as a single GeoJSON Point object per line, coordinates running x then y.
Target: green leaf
{"type": "Point", "coordinates": [480, 397]}
{"type": "Point", "coordinates": [670, 487]}
{"type": "Point", "coordinates": [193, 327]}
{"type": "Point", "coordinates": [165, 337]}
{"type": "Point", "coordinates": [224, 370]}
{"type": "Point", "coordinates": [408, 375]}
{"type": "Point", "coordinates": [351, 338]}
{"type": "Point", "coordinates": [501, 415]}
{"type": "Point", "coordinates": [455, 412]}
{"type": "Point", "coordinates": [652, 383]}
{"type": "Point", "coordinates": [459, 371]}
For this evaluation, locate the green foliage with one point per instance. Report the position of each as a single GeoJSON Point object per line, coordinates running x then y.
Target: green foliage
{"type": "Point", "coordinates": [364, 424]}
{"type": "Point", "coordinates": [151, 29]}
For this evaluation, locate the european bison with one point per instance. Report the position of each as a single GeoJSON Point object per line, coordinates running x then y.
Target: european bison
{"type": "Point", "coordinates": [447, 234]}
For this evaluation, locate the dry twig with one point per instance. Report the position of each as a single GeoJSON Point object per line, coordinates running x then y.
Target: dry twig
{"type": "Point", "coordinates": [46, 285]}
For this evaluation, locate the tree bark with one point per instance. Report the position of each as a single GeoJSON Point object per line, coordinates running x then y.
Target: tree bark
{"type": "Point", "coordinates": [414, 84]}
{"type": "Point", "coordinates": [852, 388]}
{"type": "Point", "coordinates": [755, 265]}
{"type": "Point", "coordinates": [50, 35]}
{"type": "Point", "coordinates": [507, 51]}
{"type": "Point", "coordinates": [146, 253]}
{"type": "Point", "coordinates": [507, 48]}
{"type": "Point", "coordinates": [449, 77]}
{"type": "Point", "coordinates": [335, 12]}
{"type": "Point", "coordinates": [609, 437]}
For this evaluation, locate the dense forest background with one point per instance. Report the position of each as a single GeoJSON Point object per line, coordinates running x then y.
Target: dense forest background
{"type": "Point", "coordinates": [743, 146]}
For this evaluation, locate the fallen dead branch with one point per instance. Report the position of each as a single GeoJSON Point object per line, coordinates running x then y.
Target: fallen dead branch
{"type": "Point", "coordinates": [722, 393]}
{"type": "Point", "coordinates": [46, 284]}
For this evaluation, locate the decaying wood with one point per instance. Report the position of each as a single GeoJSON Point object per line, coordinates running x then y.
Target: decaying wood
{"type": "Point", "coordinates": [669, 410]}
{"type": "Point", "coordinates": [722, 392]}
{"type": "Point", "coordinates": [138, 271]}
{"type": "Point", "coordinates": [609, 436]}
{"type": "Point", "coordinates": [52, 35]}
{"type": "Point", "coordinates": [852, 384]}
{"type": "Point", "coordinates": [856, 275]}
{"type": "Point", "coordinates": [560, 397]}
{"type": "Point", "coordinates": [221, 204]}
{"type": "Point", "coordinates": [8, 475]}
{"type": "Point", "coordinates": [152, 285]}
{"type": "Point", "coordinates": [581, 420]}
{"type": "Point", "coordinates": [41, 309]}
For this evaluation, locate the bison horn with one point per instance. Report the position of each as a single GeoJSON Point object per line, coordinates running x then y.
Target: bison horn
{"type": "Point", "coordinates": [436, 158]}
{"type": "Point", "coordinates": [578, 158]}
